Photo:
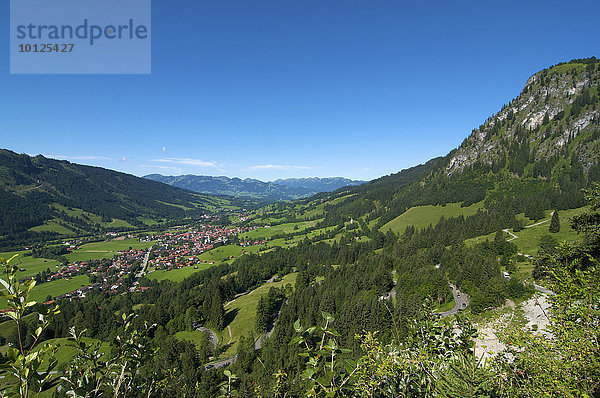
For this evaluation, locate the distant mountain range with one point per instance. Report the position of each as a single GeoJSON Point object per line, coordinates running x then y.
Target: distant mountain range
{"type": "Point", "coordinates": [282, 189]}
{"type": "Point", "coordinates": [535, 154]}
{"type": "Point", "coordinates": [43, 198]}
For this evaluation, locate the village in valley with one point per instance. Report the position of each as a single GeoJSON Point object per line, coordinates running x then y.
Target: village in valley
{"type": "Point", "coordinates": [120, 270]}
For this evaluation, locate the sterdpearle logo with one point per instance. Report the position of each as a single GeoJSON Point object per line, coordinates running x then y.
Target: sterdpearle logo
{"type": "Point", "coordinates": [80, 36]}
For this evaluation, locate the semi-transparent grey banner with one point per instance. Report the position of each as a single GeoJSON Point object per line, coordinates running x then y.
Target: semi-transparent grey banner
{"type": "Point", "coordinates": [80, 36]}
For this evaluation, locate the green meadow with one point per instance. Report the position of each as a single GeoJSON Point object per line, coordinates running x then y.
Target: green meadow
{"type": "Point", "coordinates": [221, 253]}
{"type": "Point", "coordinates": [52, 226]}
{"type": "Point", "coordinates": [30, 266]}
{"type": "Point", "coordinates": [244, 311]}
{"type": "Point", "coordinates": [67, 350]}
{"type": "Point", "coordinates": [105, 249]}
{"type": "Point", "coordinates": [316, 211]}
{"type": "Point", "coordinates": [529, 238]}
{"type": "Point", "coordinates": [54, 288]}
{"type": "Point", "coordinates": [286, 228]}
{"type": "Point", "coordinates": [423, 216]}
{"type": "Point", "coordinates": [177, 275]}
{"type": "Point", "coordinates": [197, 337]}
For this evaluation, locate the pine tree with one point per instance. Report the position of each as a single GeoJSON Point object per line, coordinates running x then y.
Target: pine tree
{"type": "Point", "coordinates": [217, 313]}
{"type": "Point", "coordinates": [262, 316]}
{"type": "Point", "coordinates": [499, 241]}
{"type": "Point", "coordinates": [554, 223]}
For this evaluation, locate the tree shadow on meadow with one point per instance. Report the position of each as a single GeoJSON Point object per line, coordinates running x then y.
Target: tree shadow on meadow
{"type": "Point", "coordinates": [230, 316]}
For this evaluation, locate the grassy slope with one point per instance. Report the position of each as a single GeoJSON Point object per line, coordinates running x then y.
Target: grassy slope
{"type": "Point", "coordinates": [244, 309]}
{"type": "Point", "coordinates": [55, 288]}
{"type": "Point", "coordinates": [423, 216]}
{"type": "Point", "coordinates": [106, 249]}
{"type": "Point", "coordinates": [529, 238]}
{"type": "Point", "coordinates": [221, 253]}
{"type": "Point", "coordinates": [52, 226]}
{"type": "Point", "coordinates": [67, 350]}
{"type": "Point", "coordinates": [195, 336]}
{"type": "Point", "coordinates": [278, 229]}
{"type": "Point", "coordinates": [31, 266]}
{"type": "Point", "coordinates": [177, 275]}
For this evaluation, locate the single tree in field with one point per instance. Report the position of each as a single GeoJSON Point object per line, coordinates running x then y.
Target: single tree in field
{"type": "Point", "coordinates": [554, 223]}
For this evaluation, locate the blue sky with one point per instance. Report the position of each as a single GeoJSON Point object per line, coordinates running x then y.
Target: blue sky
{"type": "Point", "coordinates": [275, 89]}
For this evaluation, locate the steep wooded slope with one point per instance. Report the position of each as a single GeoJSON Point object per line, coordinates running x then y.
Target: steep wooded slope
{"type": "Point", "coordinates": [536, 153]}
{"type": "Point", "coordinates": [34, 190]}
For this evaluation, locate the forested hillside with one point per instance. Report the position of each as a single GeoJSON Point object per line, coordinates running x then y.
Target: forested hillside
{"type": "Point", "coordinates": [34, 190]}
{"type": "Point", "coordinates": [535, 154]}
{"type": "Point", "coordinates": [316, 184]}
{"type": "Point", "coordinates": [370, 313]}
{"type": "Point", "coordinates": [358, 320]}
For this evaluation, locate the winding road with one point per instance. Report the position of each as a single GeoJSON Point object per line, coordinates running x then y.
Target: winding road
{"type": "Point", "coordinates": [513, 236]}
{"type": "Point", "coordinates": [257, 344]}
{"type": "Point", "coordinates": [461, 301]}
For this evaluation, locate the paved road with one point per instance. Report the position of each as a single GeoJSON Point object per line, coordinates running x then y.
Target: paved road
{"type": "Point", "coordinates": [263, 338]}
{"type": "Point", "coordinates": [145, 263]}
{"type": "Point", "coordinates": [212, 337]}
{"type": "Point", "coordinates": [543, 289]}
{"type": "Point", "coordinates": [142, 270]}
{"type": "Point", "coordinates": [221, 363]}
{"type": "Point", "coordinates": [257, 344]}
{"type": "Point", "coordinates": [461, 301]}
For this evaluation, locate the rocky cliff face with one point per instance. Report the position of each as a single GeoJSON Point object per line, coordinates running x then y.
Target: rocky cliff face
{"type": "Point", "coordinates": [557, 113]}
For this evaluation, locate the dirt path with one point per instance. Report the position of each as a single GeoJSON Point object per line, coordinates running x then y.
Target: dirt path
{"type": "Point", "coordinates": [535, 312]}
{"type": "Point", "coordinates": [30, 189]}
{"type": "Point", "coordinates": [511, 234]}
{"type": "Point", "coordinates": [527, 226]}
{"type": "Point", "coordinates": [541, 222]}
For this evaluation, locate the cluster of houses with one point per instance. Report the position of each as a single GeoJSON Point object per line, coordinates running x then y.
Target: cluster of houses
{"type": "Point", "coordinates": [244, 217]}
{"type": "Point", "coordinates": [181, 248]}
{"type": "Point", "coordinates": [105, 274]}
{"type": "Point", "coordinates": [177, 248]}
{"type": "Point", "coordinates": [253, 243]}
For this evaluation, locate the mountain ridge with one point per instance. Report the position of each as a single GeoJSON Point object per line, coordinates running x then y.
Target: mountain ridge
{"type": "Point", "coordinates": [536, 153]}
{"type": "Point", "coordinates": [39, 192]}
{"type": "Point", "coordinates": [281, 189]}
{"type": "Point", "coordinates": [570, 93]}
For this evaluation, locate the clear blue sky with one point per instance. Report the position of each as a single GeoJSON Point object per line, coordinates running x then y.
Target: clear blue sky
{"type": "Point", "coordinates": [272, 89]}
